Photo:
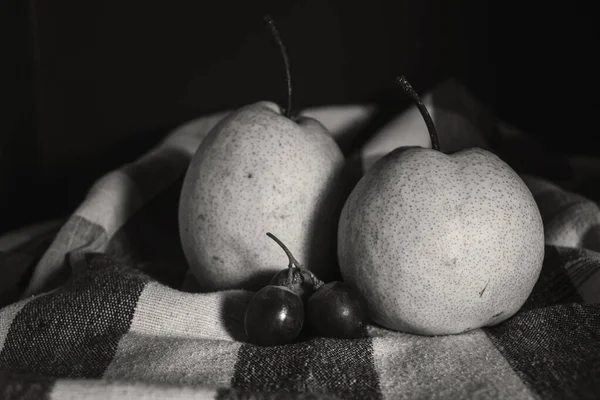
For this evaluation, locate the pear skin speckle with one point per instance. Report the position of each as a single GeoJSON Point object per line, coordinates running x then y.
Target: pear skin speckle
{"type": "Point", "coordinates": [256, 172]}
{"type": "Point", "coordinates": [439, 244]}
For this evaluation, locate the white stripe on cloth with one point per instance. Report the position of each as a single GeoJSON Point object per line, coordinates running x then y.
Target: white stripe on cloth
{"type": "Point", "coordinates": [165, 312]}
{"type": "Point", "coordinates": [570, 220]}
{"type": "Point", "coordinates": [108, 205]}
{"type": "Point", "coordinates": [446, 367]}
{"type": "Point", "coordinates": [188, 136]}
{"type": "Point", "coordinates": [174, 361]}
{"type": "Point", "coordinates": [106, 390]}
{"type": "Point", "coordinates": [575, 227]}
{"type": "Point", "coordinates": [111, 201]}
{"type": "Point", "coordinates": [77, 233]}
{"type": "Point", "coordinates": [181, 338]}
{"type": "Point", "coordinates": [343, 122]}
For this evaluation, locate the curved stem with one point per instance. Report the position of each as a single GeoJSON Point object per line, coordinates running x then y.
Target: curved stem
{"type": "Point", "coordinates": [435, 144]}
{"type": "Point", "coordinates": [293, 261]}
{"type": "Point", "coordinates": [286, 63]}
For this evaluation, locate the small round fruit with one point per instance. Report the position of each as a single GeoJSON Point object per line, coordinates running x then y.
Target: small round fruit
{"type": "Point", "coordinates": [336, 310]}
{"type": "Point", "coordinates": [274, 316]}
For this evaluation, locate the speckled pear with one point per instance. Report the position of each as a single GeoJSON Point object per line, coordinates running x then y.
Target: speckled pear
{"type": "Point", "coordinates": [440, 243]}
{"type": "Point", "coordinates": [258, 171]}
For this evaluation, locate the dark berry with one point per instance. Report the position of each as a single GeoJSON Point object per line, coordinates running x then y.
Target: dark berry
{"type": "Point", "coordinates": [336, 310]}
{"type": "Point", "coordinates": [274, 316]}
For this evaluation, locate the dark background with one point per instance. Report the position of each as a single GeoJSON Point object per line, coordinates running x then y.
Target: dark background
{"type": "Point", "coordinates": [88, 85]}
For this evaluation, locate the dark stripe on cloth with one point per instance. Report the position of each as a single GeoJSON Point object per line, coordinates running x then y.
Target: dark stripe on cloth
{"type": "Point", "coordinates": [24, 387]}
{"type": "Point", "coordinates": [150, 239]}
{"type": "Point", "coordinates": [74, 332]}
{"type": "Point", "coordinates": [553, 342]}
{"type": "Point", "coordinates": [555, 350]}
{"type": "Point", "coordinates": [554, 285]}
{"type": "Point", "coordinates": [320, 366]}
{"type": "Point", "coordinates": [238, 394]}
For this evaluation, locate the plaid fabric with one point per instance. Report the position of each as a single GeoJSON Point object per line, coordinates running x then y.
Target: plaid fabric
{"type": "Point", "coordinates": [108, 309]}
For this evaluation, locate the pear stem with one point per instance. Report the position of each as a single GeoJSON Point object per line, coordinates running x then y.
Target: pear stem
{"type": "Point", "coordinates": [286, 62]}
{"type": "Point", "coordinates": [401, 80]}
{"type": "Point", "coordinates": [293, 261]}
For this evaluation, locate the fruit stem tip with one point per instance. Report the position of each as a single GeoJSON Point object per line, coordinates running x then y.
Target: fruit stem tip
{"type": "Point", "coordinates": [407, 87]}
{"type": "Point", "coordinates": [269, 21]}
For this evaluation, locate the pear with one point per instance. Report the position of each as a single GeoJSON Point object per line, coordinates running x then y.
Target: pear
{"type": "Point", "coordinates": [261, 170]}
{"type": "Point", "coordinates": [439, 243]}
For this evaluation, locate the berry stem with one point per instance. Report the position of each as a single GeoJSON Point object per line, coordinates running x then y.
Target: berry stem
{"type": "Point", "coordinates": [401, 80]}
{"type": "Point", "coordinates": [317, 283]}
{"type": "Point", "coordinates": [286, 62]}
{"type": "Point", "coordinates": [293, 261]}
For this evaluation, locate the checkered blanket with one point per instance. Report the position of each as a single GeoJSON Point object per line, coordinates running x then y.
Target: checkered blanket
{"type": "Point", "coordinates": [101, 305]}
